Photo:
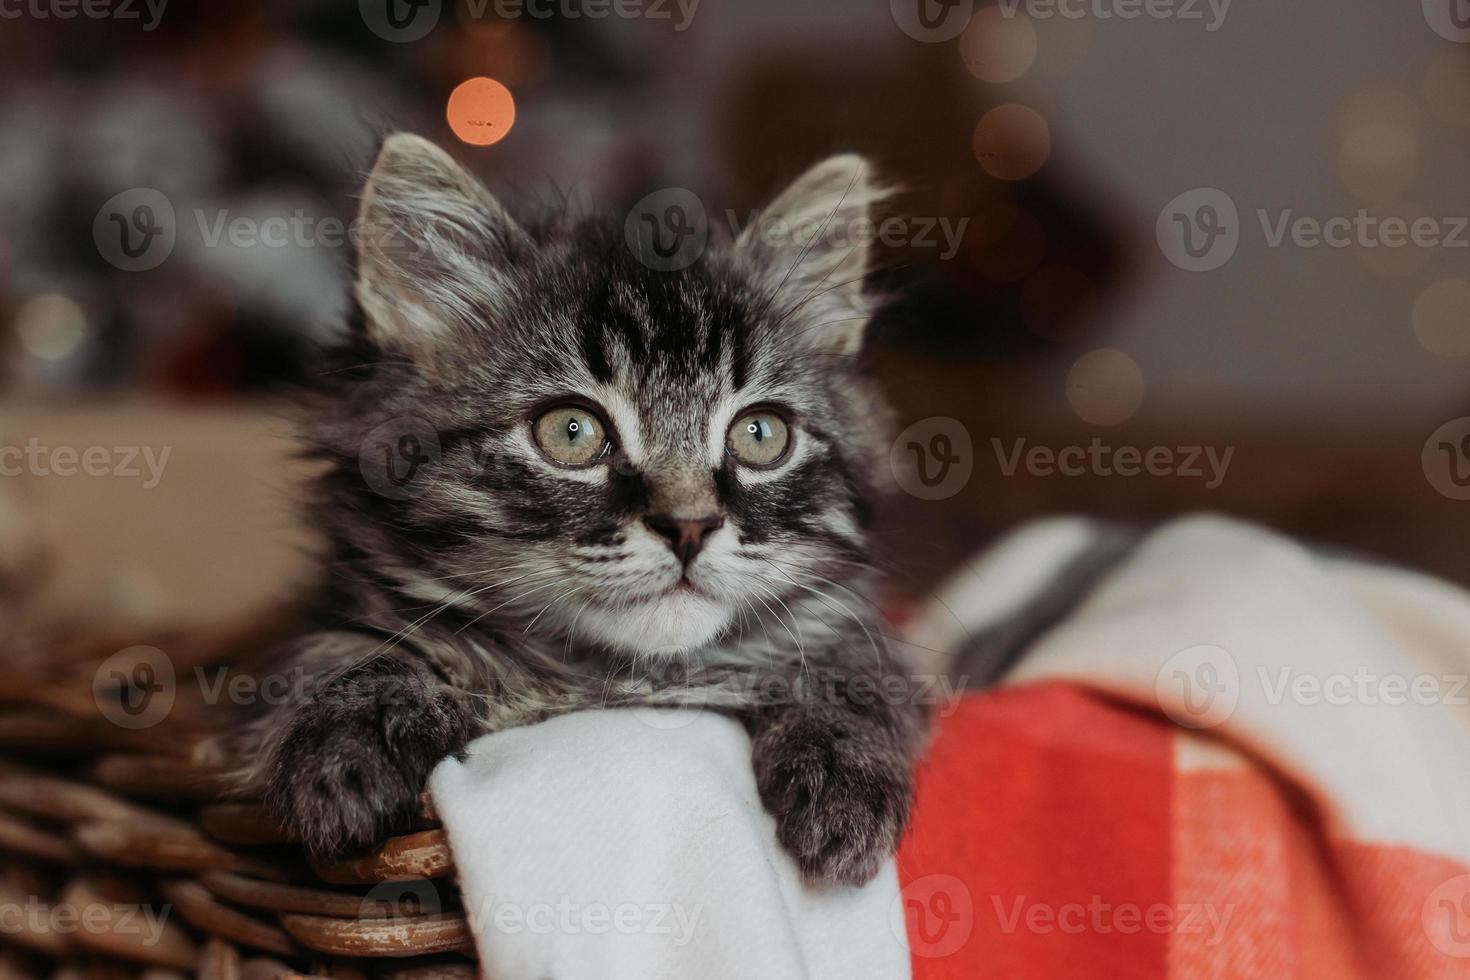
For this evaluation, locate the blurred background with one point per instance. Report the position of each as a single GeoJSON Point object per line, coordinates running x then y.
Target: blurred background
{"type": "Point", "coordinates": [1150, 257]}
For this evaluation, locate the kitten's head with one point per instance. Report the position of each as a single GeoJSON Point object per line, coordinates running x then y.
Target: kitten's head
{"type": "Point", "coordinates": [632, 456]}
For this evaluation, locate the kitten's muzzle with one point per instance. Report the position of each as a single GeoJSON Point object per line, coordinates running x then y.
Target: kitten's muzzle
{"type": "Point", "coordinates": [685, 536]}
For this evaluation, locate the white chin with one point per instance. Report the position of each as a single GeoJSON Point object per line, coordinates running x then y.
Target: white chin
{"type": "Point", "coordinates": [664, 626]}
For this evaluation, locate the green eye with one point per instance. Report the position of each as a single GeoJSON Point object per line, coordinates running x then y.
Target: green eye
{"type": "Point", "coordinates": [570, 435]}
{"type": "Point", "coordinates": [758, 438]}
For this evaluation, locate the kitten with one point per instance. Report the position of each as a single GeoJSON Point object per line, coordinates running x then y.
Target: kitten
{"type": "Point", "coordinates": [559, 479]}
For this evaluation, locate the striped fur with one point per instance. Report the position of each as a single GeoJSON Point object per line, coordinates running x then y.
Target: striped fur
{"type": "Point", "coordinates": [498, 588]}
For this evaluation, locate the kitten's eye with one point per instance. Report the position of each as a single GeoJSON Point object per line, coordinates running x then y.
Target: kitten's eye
{"type": "Point", "coordinates": [758, 438]}
{"type": "Point", "coordinates": [570, 435]}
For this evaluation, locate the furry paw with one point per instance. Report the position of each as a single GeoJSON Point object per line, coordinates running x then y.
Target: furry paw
{"type": "Point", "coordinates": [840, 801]}
{"type": "Point", "coordinates": [354, 757]}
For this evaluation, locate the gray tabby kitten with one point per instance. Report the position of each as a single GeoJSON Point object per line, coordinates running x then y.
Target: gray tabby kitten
{"type": "Point", "coordinates": [623, 486]}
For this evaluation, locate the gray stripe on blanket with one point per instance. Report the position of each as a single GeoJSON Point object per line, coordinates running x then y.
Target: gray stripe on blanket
{"type": "Point", "coordinates": [991, 652]}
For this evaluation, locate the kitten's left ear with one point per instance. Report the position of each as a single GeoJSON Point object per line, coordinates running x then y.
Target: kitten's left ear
{"type": "Point", "coordinates": [433, 246]}
{"type": "Point", "coordinates": [812, 248]}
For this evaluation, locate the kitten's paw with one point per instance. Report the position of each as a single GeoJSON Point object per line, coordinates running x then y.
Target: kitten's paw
{"type": "Point", "coordinates": [840, 801]}
{"type": "Point", "coordinates": [349, 769]}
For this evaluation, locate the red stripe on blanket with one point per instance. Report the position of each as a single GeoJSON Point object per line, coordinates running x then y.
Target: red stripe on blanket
{"type": "Point", "coordinates": [1059, 854]}
{"type": "Point", "coordinates": [1054, 836]}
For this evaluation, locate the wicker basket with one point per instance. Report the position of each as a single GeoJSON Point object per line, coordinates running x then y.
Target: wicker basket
{"type": "Point", "coordinates": [103, 825]}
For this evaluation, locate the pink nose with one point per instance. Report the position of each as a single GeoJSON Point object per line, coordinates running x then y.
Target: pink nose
{"type": "Point", "coordinates": [685, 537]}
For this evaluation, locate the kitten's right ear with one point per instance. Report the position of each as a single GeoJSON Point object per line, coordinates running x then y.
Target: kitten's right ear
{"type": "Point", "coordinates": [432, 247]}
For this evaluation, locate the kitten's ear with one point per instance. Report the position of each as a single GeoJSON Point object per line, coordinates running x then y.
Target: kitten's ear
{"type": "Point", "coordinates": [432, 248]}
{"type": "Point", "coordinates": [811, 249]}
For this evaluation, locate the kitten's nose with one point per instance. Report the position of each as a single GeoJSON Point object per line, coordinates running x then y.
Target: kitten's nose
{"type": "Point", "coordinates": [685, 536]}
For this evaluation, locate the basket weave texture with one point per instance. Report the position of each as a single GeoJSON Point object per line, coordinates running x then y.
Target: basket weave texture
{"type": "Point", "coordinates": [122, 854]}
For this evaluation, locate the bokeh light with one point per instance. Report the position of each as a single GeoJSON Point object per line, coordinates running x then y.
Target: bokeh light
{"type": "Point", "coordinates": [998, 48]}
{"type": "Point", "coordinates": [1378, 160]}
{"type": "Point", "coordinates": [1442, 318]}
{"type": "Point", "coordinates": [1012, 141]}
{"type": "Point", "coordinates": [1379, 105]}
{"type": "Point", "coordinates": [51, 326]}
{"type": "Point", "coordinates": [481, 111]}
{"type": "Point", "coordinates": [1105, 387]}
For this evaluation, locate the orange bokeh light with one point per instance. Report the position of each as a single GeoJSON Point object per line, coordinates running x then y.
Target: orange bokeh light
{"type": "Point", "coordinates": [481, 111]}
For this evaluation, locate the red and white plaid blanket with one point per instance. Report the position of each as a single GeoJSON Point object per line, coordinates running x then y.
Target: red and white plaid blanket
{"type": "Point", "coordinates": [1234, 759]}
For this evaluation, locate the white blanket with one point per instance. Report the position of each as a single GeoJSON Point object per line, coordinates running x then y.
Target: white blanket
{"type": "Point", "coordinates": [631, 844]}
